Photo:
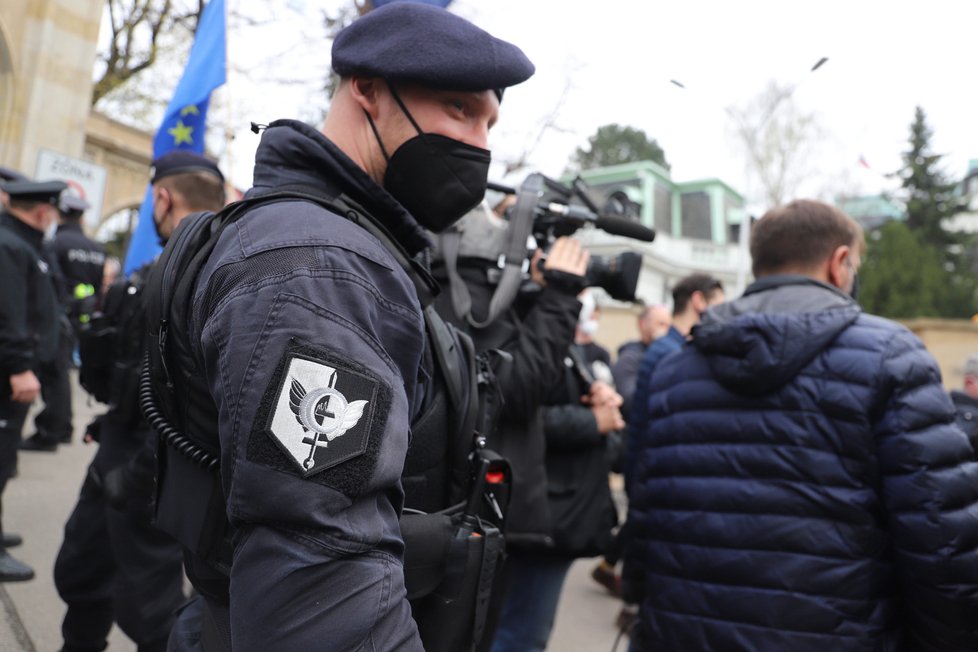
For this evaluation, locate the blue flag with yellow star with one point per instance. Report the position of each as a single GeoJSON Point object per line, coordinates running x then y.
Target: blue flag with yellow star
{"type": "Point", "coordinates": [185, 119]}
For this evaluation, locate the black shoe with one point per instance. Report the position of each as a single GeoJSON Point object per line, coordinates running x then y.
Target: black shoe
{"type": "Point", "coordinates": [12, 570]}
{"type": "Point", "coordinates": [39, 443]}
{"type": "Point", "coordinates": [10, 540]}
{"type": "Point", "coordinates": [65, 439]}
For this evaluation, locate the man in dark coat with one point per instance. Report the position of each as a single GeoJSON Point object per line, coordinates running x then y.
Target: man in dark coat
{"type": "Point", "coordinates": [79, 260]}
{"type": "Point", "coordinates": [29, 314]}
{"type": "Point", "coordinates": [583, 514]}
{"type": "Point", "coordinates": [653, 322]}
{"type": "Point", "coordinates": [801, 485]}
{"type": "Point", "coordinates": [966, 401]}
{"type": "Point", "coordinates": [535, 330]}
{"type": "Point", "coordinates": [114, 565]}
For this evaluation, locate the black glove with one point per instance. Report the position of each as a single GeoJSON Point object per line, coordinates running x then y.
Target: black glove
{"type": "Point", "coordinates": [564, 281]}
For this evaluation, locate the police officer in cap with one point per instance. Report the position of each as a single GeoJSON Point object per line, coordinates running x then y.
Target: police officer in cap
{"type": "Point", "coordinates": [310, 340]}
{"type": "Point", "coordinates": [79, 260]}
{"type": "Point", "coordinates": [114, 565]}
{"type": "Point", "coordinates": [28, 325]}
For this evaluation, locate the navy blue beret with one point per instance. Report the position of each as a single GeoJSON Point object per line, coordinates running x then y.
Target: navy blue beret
{"type": "Point", "coordinates": [429, 46]}
{"type": "Point", "coordinates": [41, 192]}
{"type": "Point", "coordinates": [181, 161]}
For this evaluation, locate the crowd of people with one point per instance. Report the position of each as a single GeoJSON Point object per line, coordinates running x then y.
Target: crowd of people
{"type": "Point", "coordinates": [284, 403]}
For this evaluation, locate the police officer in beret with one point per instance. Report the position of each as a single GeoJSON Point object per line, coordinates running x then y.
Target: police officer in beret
{"type": "Point", "coordinates": [310, 339]}
{"type": "Point", "coordinates": [29, 313]}
{"type": "Point", "coordinates": [80, 260]}
{"type": "Point", "coordinates": [114, 565]}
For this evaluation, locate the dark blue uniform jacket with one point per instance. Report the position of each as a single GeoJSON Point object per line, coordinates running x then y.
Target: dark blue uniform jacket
{"type": "Point", "coordinates": [802, 486]}
{"type": "Point", "coordinates": [311, 338]}
{"type": "Point", "coordinates": [28, 302]}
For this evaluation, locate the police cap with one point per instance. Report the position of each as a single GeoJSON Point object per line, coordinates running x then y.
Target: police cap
{"type": "Point", "coordinates": [9, 174]}
{"type": "Point", "coordinates": [72, 205]}
{"type": "Point", "coordinates": [35, 192]}
{"type": "Point", "coordinates": [429, 46]}
{"type": "Point", "coordinates": [181, 162]}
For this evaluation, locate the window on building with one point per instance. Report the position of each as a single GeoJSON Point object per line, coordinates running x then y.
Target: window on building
{"type": "Point", "coordinates": [663, 209]}
{"type": "Point", "coordinates": [697, 220]}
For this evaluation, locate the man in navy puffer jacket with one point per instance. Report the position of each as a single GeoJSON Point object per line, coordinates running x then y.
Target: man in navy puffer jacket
{"type": "Point", "coordinates": [802, 485]}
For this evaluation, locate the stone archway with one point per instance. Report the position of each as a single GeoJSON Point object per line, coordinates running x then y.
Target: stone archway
{"type": "Point", "coordinates": [126, 154]}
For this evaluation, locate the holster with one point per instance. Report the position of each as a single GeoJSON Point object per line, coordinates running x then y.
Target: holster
{"type": "Point", "coordinates": [190, 507]}
{"type": "Point", "coordinates": [449, 563]}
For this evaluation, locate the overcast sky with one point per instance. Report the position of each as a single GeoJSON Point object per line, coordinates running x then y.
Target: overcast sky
{"type": "Point", "coordinates": [612, 62]}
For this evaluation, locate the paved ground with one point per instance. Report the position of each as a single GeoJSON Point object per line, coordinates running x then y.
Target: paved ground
{"type": "Point", "coordinates": [37, 504]}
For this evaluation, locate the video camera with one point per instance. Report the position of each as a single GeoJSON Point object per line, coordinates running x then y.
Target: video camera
{"type": "Point", "coordinates": [547, 210]}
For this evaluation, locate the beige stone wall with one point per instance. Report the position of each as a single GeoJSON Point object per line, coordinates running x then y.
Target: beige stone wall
{"type": "Point", "coordinates": [47, 52]}
{"type": "Point", "coordinates": [617, 326]}
{"type": "Point", "coordinates": [47, 49]}
{"type": "Point", "coordinates": [950, 341]}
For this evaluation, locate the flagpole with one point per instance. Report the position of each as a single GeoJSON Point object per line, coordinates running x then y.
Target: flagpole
{"type": "Point", "coordinates": [229, 128]}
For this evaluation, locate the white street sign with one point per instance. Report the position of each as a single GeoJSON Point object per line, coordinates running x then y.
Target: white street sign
{"type": "Point", "coordinates": [87, 179]}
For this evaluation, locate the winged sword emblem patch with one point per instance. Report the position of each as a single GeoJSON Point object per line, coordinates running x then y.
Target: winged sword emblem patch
{"type": "Point", "coordinates": [322, 414]}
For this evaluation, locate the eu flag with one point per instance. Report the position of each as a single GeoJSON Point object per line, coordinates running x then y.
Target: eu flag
{"type": "Point", "coordinates": [185, 119]}
{"type": "Point", "coordinates": [438, 3]}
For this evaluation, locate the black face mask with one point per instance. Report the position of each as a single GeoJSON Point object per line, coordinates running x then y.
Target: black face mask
{"type": "Point", "coordinates": [436, 178]}
{"type": "Point", "coordinates": [156, 227]}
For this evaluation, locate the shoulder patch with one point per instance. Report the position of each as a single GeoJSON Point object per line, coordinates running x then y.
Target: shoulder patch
{"type": "Point", "coordinates": [321, 410]}
{"type": "Point", "coordinates": [322, 414]}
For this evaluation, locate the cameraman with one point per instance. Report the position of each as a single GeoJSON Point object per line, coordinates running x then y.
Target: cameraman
{"type": "Point", "coordinates": [583, 413]}
{"type": "Point", "coordinates": [536, 330]}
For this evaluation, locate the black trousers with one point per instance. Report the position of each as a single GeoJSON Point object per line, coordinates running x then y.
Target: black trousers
{"type": "Point", "coordinates": [12, 417]}
{"type": "Point", "coordinates": [54, 421]}
{"type": "Point", "coordinates": [114, 566]}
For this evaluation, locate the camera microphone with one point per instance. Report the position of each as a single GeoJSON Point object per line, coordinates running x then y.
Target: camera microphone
{"type": "Point", "coordinates": [607, 223]}
{"type": "Point", "coordinates": [576, 213]}
{"type": "Point", "coordinates": [626, 228]}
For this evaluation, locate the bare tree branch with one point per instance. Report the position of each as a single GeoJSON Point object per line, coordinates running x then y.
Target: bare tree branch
{"type": "Point", "coordinates": [777, 138]}
{"type": "Point", "coordinates": [137, 26]}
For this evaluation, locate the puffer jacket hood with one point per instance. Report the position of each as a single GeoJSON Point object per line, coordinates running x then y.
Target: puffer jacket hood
{"type": "Point", "coordinates": [761, 341]}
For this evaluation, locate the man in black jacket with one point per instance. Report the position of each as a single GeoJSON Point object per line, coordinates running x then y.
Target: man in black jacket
{"type": "Point", "coordinates": [653, 322]}
{"type": "Point", "coordinates": [29, 313]}
{"type": "Point", "coordinates": [114, 565]}
{"type": "Point", "coordinates": [536, 330]}
{"type": "Point", "coordinates": [581, 413]}
{"type": "Point", "coordinates": [79, 260]}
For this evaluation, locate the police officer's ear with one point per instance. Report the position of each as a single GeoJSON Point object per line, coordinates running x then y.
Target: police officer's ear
{"type": "Point", "coordinates": [366, 93]}
{"type": "Point", "coordinates": [162, 202]}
